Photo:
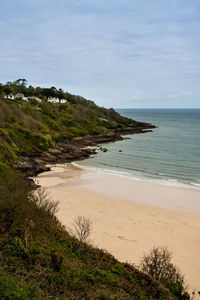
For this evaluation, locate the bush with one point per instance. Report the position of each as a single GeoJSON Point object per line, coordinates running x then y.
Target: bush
{"type": "Point", "coordinates": [9, 290]}
{"type": "Point", "coordinates": [82, 228]}
{"type": "Point", "coordinates": [23, 211]}
{"type": "Point", "coordinates": [158, 264]}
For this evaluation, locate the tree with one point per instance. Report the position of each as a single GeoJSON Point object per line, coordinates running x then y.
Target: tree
{"type": "Point", "coordinates": [158, 264]}
{"type": "Point", "coordinates": [82, 228]}
{"type": "Point", "coordinates": [30, 91]}
{"type": "Point", "coordinates": [18, 82]}
{"type": "Point", "coordinates": [60, 94]}
{"type": "Point", "coordinates": [24, 82]}
{"type": "Point", "coordinates": [9, 83]}
{"type": "Point", "coordinates": [7, 90]}
{"type": "Point", "coordinates": [1, 89]}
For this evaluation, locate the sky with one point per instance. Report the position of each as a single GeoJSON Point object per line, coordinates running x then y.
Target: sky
{"type": "Point", "coordinates": [118, 53]}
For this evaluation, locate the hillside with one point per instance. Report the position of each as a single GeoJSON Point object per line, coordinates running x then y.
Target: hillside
{"type": "Point", "coordinates": [30, 127]}
{"type": "Point", "coordinates": [39, 259]}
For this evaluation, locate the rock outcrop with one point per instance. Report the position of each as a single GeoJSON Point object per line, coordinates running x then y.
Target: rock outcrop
{"type": "Point", "coordinates": [78, 148]}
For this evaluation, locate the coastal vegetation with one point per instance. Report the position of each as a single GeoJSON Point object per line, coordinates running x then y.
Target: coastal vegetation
{"type": "Point", "coordinates": [158, 264]}
{"type": "Point", "coordinates": [39, 258]}
{"type": "Point", "coordinates": [81, 228]}
{"type": "Point", "coordinates": [30, 126]}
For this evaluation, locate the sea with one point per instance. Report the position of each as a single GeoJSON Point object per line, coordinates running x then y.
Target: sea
{"type": "Point", "coordinates": [169, 155]}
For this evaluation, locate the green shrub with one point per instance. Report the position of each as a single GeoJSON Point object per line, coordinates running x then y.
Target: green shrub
{"type": "Point", "coordinates": [15, 246]}
{"type": "Point", "coordinates": [24, 211]}
{"type": "Point", "coordinates": [9, 290]}
{"type": "Point", "coordinates": [158, 264]}
{"type": "Point", "coordinates": [3, 167]}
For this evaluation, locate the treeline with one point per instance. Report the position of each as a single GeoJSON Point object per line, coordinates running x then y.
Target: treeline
{"type": "Point", "coordinates": [20, 86]}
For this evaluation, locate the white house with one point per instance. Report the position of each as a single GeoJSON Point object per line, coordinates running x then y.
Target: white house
{"type": "Point", "coordinates": [63, 101]}
{"type": "Point", "coordinates": [53, 100]}
{"type": "Point", "coordinates": [21, 96]}
{"type": "Point", "coordinates": [34, 98]}
{"type": "Point", "coordinates": [10, 97]}
{"type": "Point", "coordinates": [56, 100]}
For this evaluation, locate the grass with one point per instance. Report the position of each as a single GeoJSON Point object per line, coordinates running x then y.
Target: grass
{"type": "Point", "coordinates": [41, 260]}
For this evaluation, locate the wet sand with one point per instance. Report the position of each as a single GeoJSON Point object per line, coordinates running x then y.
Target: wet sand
{"type": "Point", "coordinates": [129, 216]}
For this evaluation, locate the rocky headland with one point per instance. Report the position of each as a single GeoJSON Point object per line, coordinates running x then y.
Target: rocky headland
{"type": "Point", "coordinates": [78, 148]}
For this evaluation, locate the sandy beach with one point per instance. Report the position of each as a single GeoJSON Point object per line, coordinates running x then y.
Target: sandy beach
{"type": "Point", "coordinates": [130, 216]}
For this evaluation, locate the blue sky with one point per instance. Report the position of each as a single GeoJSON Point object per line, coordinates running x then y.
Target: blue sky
{"type": "Point", "coordinates": [119, 53]}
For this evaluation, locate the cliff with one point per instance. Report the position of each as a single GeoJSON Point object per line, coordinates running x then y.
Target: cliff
{"type": "Point", "coordinates": [39, 259]}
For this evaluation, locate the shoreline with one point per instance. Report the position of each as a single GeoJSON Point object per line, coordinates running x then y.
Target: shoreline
{"type": "Point", "coordinates": [126, 228]}
{"type": "Point", "coordinates": [163, 182]}
{"type": "Point", "coordinates": [76, 149]}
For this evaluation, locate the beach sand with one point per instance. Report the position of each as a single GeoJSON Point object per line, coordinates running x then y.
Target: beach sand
{"type": "Point", "coordinates": [130, 216]}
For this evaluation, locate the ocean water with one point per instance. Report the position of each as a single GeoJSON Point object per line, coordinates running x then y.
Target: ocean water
{"type": "Point", "coordinates": [169, 155]}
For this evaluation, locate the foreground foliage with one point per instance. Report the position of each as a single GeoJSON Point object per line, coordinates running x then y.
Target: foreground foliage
{"type": "Point", "coordinates": [158, 264]}
{"type": "Point", "coordinates": [40, 260]}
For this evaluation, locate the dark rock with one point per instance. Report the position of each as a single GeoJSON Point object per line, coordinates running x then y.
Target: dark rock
{"type": "Point", "coordinates": [77, 149]}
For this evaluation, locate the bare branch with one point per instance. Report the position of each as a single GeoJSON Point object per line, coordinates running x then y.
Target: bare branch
{"type": "Point", "coordinates": [82, 227]}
